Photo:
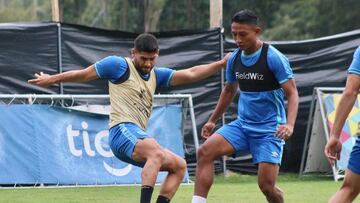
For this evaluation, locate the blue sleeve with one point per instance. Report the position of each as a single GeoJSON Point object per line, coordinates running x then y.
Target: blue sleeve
{"type": "Point", "coordinates": [279, 65]}
{"type": "Point", "coordinates": [230, 74]}
{"type": "Point", "coordinates": [111, 68]}
{"type": "Point", "coordinates": [163, 76]}
{"type": "Point", "coordinates": [355, 64]}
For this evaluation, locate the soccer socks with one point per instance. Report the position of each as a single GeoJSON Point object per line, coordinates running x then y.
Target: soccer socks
{"type": "Point", "coordinates": [198, 199]}
{"type": "Point", "coordinates": [162, 199]}
{"type": "Point", "coordinates": [146, 192]}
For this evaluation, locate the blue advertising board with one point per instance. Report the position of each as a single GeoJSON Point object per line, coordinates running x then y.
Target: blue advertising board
{"type": "Point", "coordinates": [53, 145]}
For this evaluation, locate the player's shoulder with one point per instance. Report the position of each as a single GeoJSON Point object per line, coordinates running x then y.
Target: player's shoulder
{"type": "Point", "coordinates": [160, 71]}
{"type": "Point", "coordinates": [274, 56]}
{"type": "Point", "coordinates": [275, 53]}
{"type": "Point", "coordinates": [233, 55]}
{"type": "Point", "coordinates": [357, 52]}
{"type": "Point", "coordinates": [116, 58]}
{"type": "Point", "coordinates": [160, 68]}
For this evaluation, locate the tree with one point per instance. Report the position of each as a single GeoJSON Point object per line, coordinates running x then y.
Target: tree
{"type": "Point", "coordinates": [294, 25]}
{"type": "Point", "coordinates": [25, 11]}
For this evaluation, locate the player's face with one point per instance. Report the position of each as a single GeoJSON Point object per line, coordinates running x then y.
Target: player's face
{"type": "Point", "coordinates": [144, 61]}
{"type": "Point", "coordinates": [245, 35]}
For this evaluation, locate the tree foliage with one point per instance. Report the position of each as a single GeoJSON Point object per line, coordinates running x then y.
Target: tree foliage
{"type": "Point", "coordinates": [280, 19]}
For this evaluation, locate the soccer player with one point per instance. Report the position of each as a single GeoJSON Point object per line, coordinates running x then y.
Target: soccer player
{"type": "Point", "coordinates": [351, 185]}
{"type": "Point", "coordinates": [264, 77]}
{"type": "Point", "coordinates": [132, 83]}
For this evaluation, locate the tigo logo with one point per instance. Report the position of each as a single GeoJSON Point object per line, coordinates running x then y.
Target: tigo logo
{"type": "Point", "coordinates": [99, 148]}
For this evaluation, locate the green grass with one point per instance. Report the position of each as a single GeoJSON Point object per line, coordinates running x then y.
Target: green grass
{"type": "Point", "coordinates": [236, 188]}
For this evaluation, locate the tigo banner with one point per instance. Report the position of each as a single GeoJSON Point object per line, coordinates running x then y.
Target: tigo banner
{"type": "Point", "coordinates": [53, 145]}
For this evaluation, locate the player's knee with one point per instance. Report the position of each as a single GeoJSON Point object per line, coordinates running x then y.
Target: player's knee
{"type": "Point", "coordinates": [182, 166]}
{"type": "Point", "coordinates": [157, 156]}
{"type": "Point", "coordinates": [267, 189]}
{"type": "Point", "coordinates": [204, 153]}
{"type": "Point", "coordinates": [350, 190]}
{"type": "Point", "coordinates": [178, 166]}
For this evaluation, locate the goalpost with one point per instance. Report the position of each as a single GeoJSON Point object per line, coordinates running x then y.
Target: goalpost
{"type": "Point", "coordinates": [38, 131]}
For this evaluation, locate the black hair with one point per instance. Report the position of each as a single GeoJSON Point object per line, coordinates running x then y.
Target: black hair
{"type": "Point", "coordinates": [146, 42]}
{"type": "Point", "coordinates": [245, 17]}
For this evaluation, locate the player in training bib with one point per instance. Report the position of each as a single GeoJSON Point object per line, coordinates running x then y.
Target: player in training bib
{"type": "Point", "coordinates": [264, 77]}
{"type": "Point", "coordinates": [132, 84]}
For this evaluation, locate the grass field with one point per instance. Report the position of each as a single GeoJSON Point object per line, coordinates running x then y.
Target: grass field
{"type": "Point", "coordinates": [236, 188]}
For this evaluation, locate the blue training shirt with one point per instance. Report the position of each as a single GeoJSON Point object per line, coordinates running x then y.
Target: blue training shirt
{"type": "Point", "coordinates": [114, 68]}
{"type": "Point", "coordinates": [262, 107]}
{"type": "Point", "coordinates": [355, 64]}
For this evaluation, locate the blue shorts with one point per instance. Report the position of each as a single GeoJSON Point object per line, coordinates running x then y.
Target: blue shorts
{"type": "Point", "coordinates": [259, 139]}
{"type": "Point", "coordinates": [122, 140]}
{"type": "Point", "coordinates": [354, 160]}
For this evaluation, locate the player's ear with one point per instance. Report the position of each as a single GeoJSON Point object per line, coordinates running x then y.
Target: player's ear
{"type": "Point", "coordinates": [257, 30]}
{"type": "Point", "coordinates": [133, 52]}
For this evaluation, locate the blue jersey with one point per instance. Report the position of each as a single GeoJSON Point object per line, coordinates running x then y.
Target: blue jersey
{"type": "Point", "coordinates": [267, 106]}
{"type": "Point", "coordinates": [114, 68]}
{"type": "Point", "coordinates": [355, 64]}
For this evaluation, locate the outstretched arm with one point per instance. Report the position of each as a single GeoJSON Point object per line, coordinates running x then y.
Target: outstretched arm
{"type": "Point", "coordinates": [291, 93]}
{"type": "Point", "coordinates": [333, 147]}
{"type": "Point", "coordinates": [226, 97]}
{"type": "Point", "coordinates": [198, 73]}
{"type": "Point", "coordinates": [82, 75]}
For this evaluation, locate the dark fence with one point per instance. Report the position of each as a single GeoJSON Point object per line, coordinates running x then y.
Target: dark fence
{"type": "Point", "coordinates": [53, 48]}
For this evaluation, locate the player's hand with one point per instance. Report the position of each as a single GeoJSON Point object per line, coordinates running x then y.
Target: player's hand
{"type": "Point", "coordinates": [284, 131]}
{"type": "Point", "coordinates": [333, 149]}
{"type": "Point", "coordinates": [207, 129]}
{"type": "Point", "coordinates": [41, 79]}
{"type": "Point", "coordinates": [225, 59]}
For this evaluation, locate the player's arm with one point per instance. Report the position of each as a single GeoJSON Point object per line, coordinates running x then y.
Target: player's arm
{"type": "Point", "coordinates": [346, 103]}
{"type": "Point", "coordinates": [113, 68]}
{"type": "Point", "coordinates": [349, 95]}
{"type": "Point", "coordinates": [197, 73]}
{"type": "Point", "coordinates": [82, 75]}
{"type": "Point", "coordinates": [333, 147]}
{"type": "Point", "coordinates": [291, 93]}
{"type": "Point", "coordinates": [280, 66]}
{"type": "Point", "coordinates": [226, 97]}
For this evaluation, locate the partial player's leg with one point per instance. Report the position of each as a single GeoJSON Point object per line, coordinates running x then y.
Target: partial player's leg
{"type": "Point", "coordinates": [131, 144]}
{"type": "Point", "coordinates": [351, 185]}
{"type": "Point", "coordinates": [214, 147]}
{"type": "Point", "coordinates": [157, 158]}
{"type": "Point", "coordinates": [349, 189]}
{"type": "Point", "coordinates": [227, 140]}
{"type": "Point", "coordinates": [176, 167]}
{"type": "Point", "coordinates": [153, 155]}
{"type": "Point", "coordinates": [267, 174]}
{"type": "Point", "coordinates": [267, 150]}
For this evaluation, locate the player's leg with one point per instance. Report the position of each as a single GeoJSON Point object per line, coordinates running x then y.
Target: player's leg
{"type": "Point", "coordinates": [267, 174]}
{"type": "Point", "coordinates": [214, 147]}
{"type": "Point", "coordinates": [267, 150]}
{"type": "Point", "coordinates": [176, 168]}
{"type": "Point", "coordinates": [157, 158]}
{"type": "Point", "coordinates": [131, 144]}
{"type": "Point", "coordinates": [351, 185]}
{"type": "Point", "coordinates": [349, 189]}
{"type": "Point", "coordinates": [227, 140]}
{"type": "Point", "coordinates": [152, 154]}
